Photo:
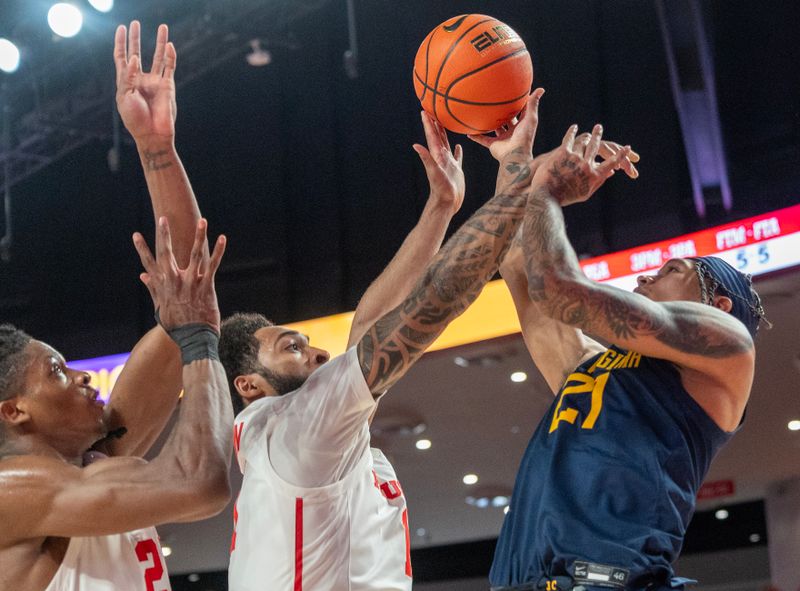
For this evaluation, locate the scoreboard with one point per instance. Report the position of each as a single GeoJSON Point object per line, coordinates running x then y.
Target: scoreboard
{"type": "Point", "coordinates": [757, 245]}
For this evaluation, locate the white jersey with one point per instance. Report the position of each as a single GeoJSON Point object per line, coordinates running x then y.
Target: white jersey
{"type": "Point", "coordinates": [130, 561]}
{"type": "Point", "coordinates": [318, 510]}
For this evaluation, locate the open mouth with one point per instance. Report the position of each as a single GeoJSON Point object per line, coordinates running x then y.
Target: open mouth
{"type": "Point", "coordinates": [94, 396]}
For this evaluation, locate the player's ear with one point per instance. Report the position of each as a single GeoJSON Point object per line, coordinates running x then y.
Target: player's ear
{"type": "Point", "coordinates": [13, 411]}
{"type": "Point", "coordinates": [252, 387]}
{"type": "Point", "coordinates": [723, 303]}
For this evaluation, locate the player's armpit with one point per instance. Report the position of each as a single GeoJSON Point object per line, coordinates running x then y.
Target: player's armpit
{"type": "Point", "coordinates": [556, 349]}
{"type": "Point", "coordinates": [46, 497]}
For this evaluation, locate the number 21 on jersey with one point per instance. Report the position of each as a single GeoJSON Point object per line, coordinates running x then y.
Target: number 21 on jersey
{"type": "Point", "coordinates": [581, 383]}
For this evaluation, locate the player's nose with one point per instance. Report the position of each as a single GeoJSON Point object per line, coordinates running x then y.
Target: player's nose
{"type": "Point", "coordinates": [643, 280]}
{"type": "Point", "coordinates": [319, 356]}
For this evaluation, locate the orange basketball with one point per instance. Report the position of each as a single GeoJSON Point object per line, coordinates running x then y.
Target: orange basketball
{"type": "Point", "coordinates": [473, 73]}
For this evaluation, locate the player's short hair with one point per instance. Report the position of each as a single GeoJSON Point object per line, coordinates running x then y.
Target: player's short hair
{"type": "Point", "coordinates": [13, 343]}
{"type": "Point", "coordinates": [238, 349]}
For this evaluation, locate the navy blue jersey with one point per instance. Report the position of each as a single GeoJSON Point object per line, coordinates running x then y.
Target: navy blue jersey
{"type": "Point", "coordinates": [610, 475]}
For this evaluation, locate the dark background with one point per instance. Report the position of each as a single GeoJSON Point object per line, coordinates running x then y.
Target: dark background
{"type": "Point", "coordinates": [312, 176]}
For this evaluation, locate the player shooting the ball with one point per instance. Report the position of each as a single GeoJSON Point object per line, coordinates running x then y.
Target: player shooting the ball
{"type": "Point", "coordinates": [608, 483]}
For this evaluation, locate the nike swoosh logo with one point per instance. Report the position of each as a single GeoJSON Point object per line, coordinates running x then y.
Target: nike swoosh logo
{"type": "Point", "coordinates": [455, 25]}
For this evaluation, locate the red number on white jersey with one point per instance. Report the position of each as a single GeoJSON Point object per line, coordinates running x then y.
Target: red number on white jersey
{"type": "Point", "coordinates": [145, 550]}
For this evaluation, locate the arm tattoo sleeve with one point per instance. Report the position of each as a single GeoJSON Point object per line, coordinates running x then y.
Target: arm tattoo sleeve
{"type": "Point", "coordinates": [451, 283]}
{"type": "Point", "coordinates": [557, 284]}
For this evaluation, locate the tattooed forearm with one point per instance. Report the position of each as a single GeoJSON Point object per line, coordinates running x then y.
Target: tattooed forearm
{"type": "Point", "coordinates": [557, 284]}
{"type": "Point", "coordinates": [156, 160]}
{"type": "Point", "coordinates": [452, 282]}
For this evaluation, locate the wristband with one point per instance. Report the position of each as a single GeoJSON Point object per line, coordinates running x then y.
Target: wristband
{"type": "Point", "coordinates": [196, 341]}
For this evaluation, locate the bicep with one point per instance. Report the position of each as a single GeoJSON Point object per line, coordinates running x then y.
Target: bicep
{"type": "Point", "coordinates": [688, 334]}
{"type": "Point", "coordinates": [556, 349]}
{"type": "Point", "coordinates": [145, 394]}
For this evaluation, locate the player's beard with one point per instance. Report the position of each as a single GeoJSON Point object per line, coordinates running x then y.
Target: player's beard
{"type": "Point", "coordinates": [282, 384]}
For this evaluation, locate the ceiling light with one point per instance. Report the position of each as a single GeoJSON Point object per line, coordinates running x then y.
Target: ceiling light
{"type": "Point", "coordinates": [461, 361]}
{"type": "Point", "coordinates": [102, 5]}
{"type": "Point", "coordinates": [755, 538]}
{"type": "Point", "coordinates": [794, 425]}
{"type": "Point", "coordinates": [193, 578]}
{"type": "Point", "coordinates": [470, 478]}
{"type": "Point", "coordinates": [258, 56]}
{"type": "Point", "coordinates": [500, 501]}
{"type": "Point", "coordinates": [721, 514]}
{"type": "Point", "coordinates": [65, 19]}
{"type": "Point", "coordinates": [9, 56]}
{"type": "Point", "coordinates": [519, 376]}
{"type": "Point", "coordinates": [166, 550]}
{"type": "Point", "coordinates": [423, 444]}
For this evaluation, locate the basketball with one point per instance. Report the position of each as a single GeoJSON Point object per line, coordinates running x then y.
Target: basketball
{"type": "Point", "coordinates": [473, 73]}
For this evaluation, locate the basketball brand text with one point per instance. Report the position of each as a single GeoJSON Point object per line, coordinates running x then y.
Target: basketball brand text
{"type": "Point", "coordinates": [499, 34]}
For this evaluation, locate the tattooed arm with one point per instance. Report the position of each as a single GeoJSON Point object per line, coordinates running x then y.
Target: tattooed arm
{"type": "Point", "coordinates": [146, 393]}
{"type": "Point", "coordinates": [713, 350]}
{"type": "Point", "coordinates": [458, 272]}
{"type": "Point", "coordinates": [446, 179]}
{"type": "Point", "coordinates": [556, 348]}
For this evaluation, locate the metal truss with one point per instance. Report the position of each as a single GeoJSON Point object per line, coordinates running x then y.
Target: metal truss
{"type": "Point", "coordinates": [86, 112]}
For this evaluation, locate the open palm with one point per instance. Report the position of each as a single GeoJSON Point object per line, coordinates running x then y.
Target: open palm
{"type": "Point", "coordinates": [145, 100]}
{"type": "Point", "coordinates": [442, 166]}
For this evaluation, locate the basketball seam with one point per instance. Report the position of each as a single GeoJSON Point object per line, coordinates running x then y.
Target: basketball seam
{"type": "Point", "coordinates": [447, 57]}
{"type": "Point", "coordinates": [466, 102]}
{"type": "Point", "coordinates": [447, 97]}
{"type": "Point", "coordinates": [427, 59]}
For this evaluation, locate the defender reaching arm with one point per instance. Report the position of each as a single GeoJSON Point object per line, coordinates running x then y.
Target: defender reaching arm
{"type": "Point", "coordinates": [146, 103]}
{"type": "Point", "coordinates": [447, 186]}
{"type": "Point", "coordinates": [458, 272]}
{"type": "Point", "coordinates": [46, 496]}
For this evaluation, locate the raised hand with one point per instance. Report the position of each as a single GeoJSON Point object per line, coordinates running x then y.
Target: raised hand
{"type": "Point", "coordinates": [572, 173]}
{"type": "Point", "coordinates": [609, 149]}
{"type": "Point", "coordinates": [145, 100]}
{"type": "Point", "coordinates": [518, 134]}
{"type": "Point", "coordinates": [182, 296]}
{"type": "Point", "coordinates": [443, 167]}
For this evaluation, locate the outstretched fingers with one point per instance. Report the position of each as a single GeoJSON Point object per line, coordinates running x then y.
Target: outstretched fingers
{"type": "Point", "coordinates": [459, 155]}
{"type": "Point", "coordinates": [433, 135]}
{"type": "Point", "coordinates": [569, 138]}
{"type": "Point", "coordinates": [160, 52]}
{"type": "Point", "coordinates": [593, 146]}
{"type": "Point", "coordinates": [427, 160]}
{"type": "Point", "coordinates": [145, 254]}
{"type": "Point", "coordinates": [120, 53]}
{"type": "Point", "coordinates": [164, 245]}
{"type": "Point", "coordinates": [608, 167]}
{"type": "Point", "coordinates": [197, 258]}
{"type": "Point", "coordinates": [529, 119]}
{"type": "Point", "coordinates": [216, 257]}
{"type": "Point", "coordinates": [171, 58]}
{"type": "Point", "coordinates": [135, 40]}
